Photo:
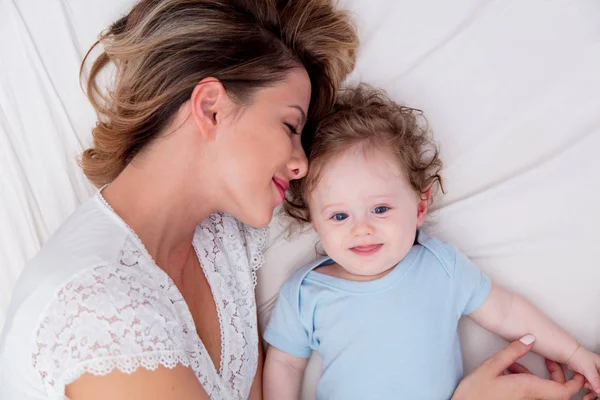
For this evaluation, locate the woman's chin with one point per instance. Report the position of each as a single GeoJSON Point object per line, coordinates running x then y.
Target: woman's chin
{"type": "Point", "coordinates": [258, 218]}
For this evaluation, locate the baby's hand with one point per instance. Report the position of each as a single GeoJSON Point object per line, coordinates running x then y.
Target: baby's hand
{"type": "Point", "coordinates": [587, 364]}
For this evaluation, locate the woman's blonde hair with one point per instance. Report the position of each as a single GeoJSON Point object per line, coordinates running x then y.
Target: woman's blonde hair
{"type": "Point", "coordinates": [366, 116]}
{"type": "Point", "coordinates": [163, 48]}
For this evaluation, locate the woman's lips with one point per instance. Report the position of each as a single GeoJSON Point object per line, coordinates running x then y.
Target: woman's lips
{"type": "Point", "coordinates": [366, 250]}
{"type": "Point", "coordinates": [281, 186]}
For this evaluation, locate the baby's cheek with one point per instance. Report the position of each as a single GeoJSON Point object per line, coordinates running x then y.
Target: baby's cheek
{"type": "Point", "coordinates": [331, 242]}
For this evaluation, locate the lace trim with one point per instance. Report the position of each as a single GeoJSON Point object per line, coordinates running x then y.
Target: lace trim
{"type": "Point", "coordinates": [227, 245]}
{"type": "Point", "coordinates": [219, 314]}
{"type": "Point", "coordinates": [126, 364]}
{"type": "Point", "coordinates": [256, 242]}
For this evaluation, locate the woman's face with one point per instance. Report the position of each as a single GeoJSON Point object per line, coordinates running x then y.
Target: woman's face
{"type": "Point", "coordinates": [263, 149]}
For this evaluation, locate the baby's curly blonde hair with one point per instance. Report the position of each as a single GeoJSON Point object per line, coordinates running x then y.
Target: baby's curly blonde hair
{"type": "Point", "coordinates": [365, 116]}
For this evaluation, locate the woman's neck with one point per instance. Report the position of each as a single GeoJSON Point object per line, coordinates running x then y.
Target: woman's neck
{"type": "Point", "coordinates": [155, 196]}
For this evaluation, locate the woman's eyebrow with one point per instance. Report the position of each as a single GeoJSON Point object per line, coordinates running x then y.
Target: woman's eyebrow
{"type": "Point", "coordinates": [302, 113]}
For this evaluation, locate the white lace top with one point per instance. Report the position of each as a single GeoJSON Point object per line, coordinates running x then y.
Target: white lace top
{"type": "Point", "coordinates": [93, 301]}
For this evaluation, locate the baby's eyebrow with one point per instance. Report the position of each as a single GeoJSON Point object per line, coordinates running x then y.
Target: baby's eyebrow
{"type": "Point", "coordinates": [331, 206]}
{"type": "Point", "coordinates": [382, 196]}
{"type": "Point", "coordinates": [377, 197]}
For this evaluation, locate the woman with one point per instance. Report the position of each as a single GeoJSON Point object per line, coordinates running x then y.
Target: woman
{"type": "Point", "coordinates": [500, 378]}
{"type": "Point", "coordinates": [203, 122]}
{"type": "Point", "coordinates": [147, 291]}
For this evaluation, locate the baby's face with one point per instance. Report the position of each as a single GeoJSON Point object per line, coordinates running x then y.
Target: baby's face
{"type": "Point", "coordinates": [365, 211]}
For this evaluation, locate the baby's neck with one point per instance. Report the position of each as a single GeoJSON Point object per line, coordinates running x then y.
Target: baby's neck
{"type": "Point", "coordinates": [337, 271]}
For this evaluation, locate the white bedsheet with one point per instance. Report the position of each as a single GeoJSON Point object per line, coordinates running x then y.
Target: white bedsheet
{"type": "Point", "coordinates": [510, 88]}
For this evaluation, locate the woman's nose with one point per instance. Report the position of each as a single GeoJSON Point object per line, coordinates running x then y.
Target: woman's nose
{"type": "Point", "coordinates": [298, 165]}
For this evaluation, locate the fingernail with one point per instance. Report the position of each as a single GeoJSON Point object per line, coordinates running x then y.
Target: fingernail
{"type": "Point", "coordinates": [527, 339]}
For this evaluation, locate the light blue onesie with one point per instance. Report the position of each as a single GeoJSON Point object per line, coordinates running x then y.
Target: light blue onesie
{"type": "Point", "coordinates": [392, 338]}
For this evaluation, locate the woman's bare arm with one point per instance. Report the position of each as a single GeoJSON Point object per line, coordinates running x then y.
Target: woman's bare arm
{"type": "Point", "coordinates": [256, 393]}
{"type": "Point", "coordinates": [161, 384]}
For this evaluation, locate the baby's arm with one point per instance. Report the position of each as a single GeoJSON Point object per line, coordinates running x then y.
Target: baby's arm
{"type": "Point", "coordinates": [511, 316]}
{"type": "Point", "coordinates": [282, 375]}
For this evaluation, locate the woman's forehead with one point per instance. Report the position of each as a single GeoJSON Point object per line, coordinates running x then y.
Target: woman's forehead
{"type": "Point", "coordinates": [294, 90]}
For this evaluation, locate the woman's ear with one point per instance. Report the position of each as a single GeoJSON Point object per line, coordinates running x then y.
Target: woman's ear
{"type": "Point", "coordinates": [424, 200]}
{"type": "Point", "coordinates": [207, 103]}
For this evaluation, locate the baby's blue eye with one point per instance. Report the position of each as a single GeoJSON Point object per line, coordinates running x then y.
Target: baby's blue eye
{"type": "Point", "coordinates": [380, 209]}
{"type": "Point", "coordinates": [340, 216]}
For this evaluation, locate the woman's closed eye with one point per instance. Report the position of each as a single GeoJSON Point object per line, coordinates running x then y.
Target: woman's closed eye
{"type": "Point", "coordinates": [292, 129]}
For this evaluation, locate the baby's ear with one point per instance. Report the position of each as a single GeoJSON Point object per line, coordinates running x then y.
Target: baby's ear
{"type": "Point", "coordinates": [424, 200]}
{"type": "Point", "coordinates": [312, 223]}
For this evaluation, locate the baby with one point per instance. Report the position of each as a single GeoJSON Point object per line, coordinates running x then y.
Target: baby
{"type": "Point", "coordinates": [382, 308]}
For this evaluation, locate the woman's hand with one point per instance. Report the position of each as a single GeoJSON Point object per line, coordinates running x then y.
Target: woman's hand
{"type": "Point", "coordinates": [491, 382]}
{"type": "Point", "coordinates": [556, 374]}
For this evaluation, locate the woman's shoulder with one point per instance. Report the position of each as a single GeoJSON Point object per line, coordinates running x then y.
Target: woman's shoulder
{"type": "Point", "coordinates": [90, 284]}
{"type": "Point", "coordinates": [89, 238]}
{"type": "Point", "coordinates": [117, 316]}
{"type": "Point", "coordinates": [111, 316]}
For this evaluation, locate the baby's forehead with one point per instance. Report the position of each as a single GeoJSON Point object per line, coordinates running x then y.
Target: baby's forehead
{"type": "Point", "coordinates": [362, 163]}
{"type": "Point", "coordinates": [360, 176]}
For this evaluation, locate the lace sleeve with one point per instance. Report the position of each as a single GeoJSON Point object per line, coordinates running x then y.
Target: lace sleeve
{"type": "Point", "coordinates": [106, 318]}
